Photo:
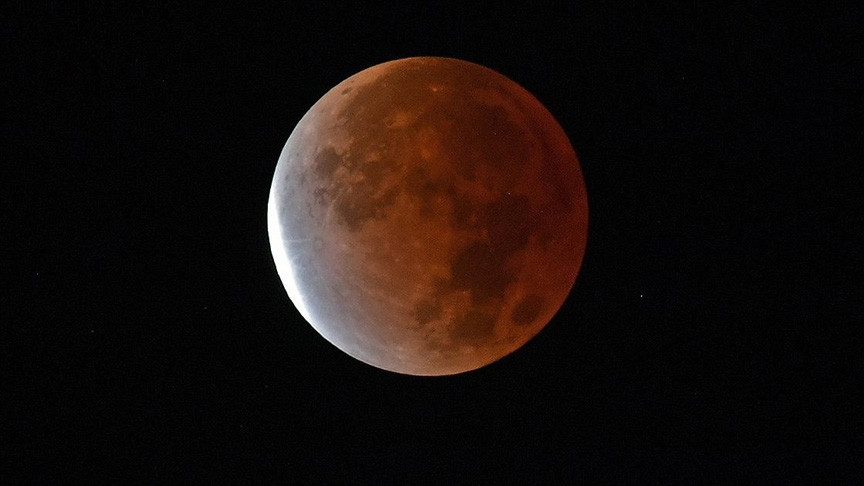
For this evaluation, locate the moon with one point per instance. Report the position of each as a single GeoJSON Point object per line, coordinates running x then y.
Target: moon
{"type": "Point", "coordinates": [428, 216]}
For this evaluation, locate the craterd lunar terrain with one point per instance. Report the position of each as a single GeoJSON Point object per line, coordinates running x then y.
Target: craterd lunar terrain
{"type": "Point", "coordinates": [428, 216]}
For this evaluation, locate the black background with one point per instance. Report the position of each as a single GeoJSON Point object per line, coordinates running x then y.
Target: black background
{"type": "Point", "coordinates": [712, 334]}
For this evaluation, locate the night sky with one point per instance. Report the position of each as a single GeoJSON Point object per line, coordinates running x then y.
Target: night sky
{"type": "Point", "coordinates": [713, 333]}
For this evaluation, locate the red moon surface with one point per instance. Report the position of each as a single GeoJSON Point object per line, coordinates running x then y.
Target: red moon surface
{"type": "Point", "coordinates": [428, 216]}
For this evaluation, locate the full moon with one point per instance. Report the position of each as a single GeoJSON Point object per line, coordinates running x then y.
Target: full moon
{"type": "Point", "coordinates": [428, 216]}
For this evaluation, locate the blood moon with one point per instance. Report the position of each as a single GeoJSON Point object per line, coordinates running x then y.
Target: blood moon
{"type": "Point", "coordinates": [428, 216]}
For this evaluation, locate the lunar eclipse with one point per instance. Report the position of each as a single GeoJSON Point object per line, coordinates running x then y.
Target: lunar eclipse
{"type": "Point", "coordinates": [428, 216]}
